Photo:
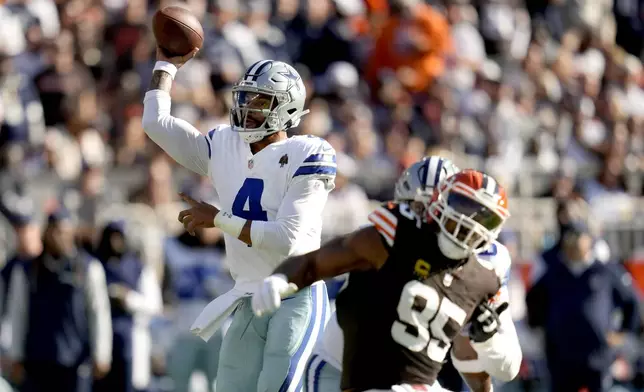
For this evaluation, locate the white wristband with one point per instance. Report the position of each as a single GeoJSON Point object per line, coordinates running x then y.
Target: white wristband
{"type": "Point", "coordinates": [165, 67]}
{"type": "Point", "coordinates": [468, 365]}
{"type": "Point", "coordinates": [229, 223]}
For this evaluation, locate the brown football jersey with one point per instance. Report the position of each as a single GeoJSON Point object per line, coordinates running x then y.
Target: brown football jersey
{"type": "Point", "coordinates": [399, 322]}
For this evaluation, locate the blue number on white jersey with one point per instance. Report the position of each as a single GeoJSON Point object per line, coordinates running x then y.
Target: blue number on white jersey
{"type": "Point", "coordinates": [251, 193]}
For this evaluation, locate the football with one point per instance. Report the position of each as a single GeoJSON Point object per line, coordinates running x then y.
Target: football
{"type": "Point", "coordinates": [177, 31]}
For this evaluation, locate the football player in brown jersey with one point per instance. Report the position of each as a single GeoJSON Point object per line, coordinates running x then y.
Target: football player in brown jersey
{"type": "Point", "coordinates": [414, 283]}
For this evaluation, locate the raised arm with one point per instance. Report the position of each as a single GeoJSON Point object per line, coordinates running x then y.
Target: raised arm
{"type": "Point", "coordinates": [183, 142]}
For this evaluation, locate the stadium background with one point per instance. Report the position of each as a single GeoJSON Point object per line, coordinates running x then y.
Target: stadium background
{"type": "Point", "coordinates": [545, 95]}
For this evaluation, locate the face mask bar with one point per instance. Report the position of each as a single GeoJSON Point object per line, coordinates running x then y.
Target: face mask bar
{"type": "Point", "coordinates": [253, 111]}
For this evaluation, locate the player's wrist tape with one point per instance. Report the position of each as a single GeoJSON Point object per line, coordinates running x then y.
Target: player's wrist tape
{"type": "Point", "coordinates": [229, 223]}
{"type": "Point", "coordinates": [165, 67]}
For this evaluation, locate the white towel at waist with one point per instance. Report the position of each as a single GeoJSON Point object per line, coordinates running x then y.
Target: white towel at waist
{"type": "Point", "coordinates": [217, 311]}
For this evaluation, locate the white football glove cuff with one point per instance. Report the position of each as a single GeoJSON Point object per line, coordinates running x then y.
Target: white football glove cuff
{"type": "Point", "coordinates": [269, 296]}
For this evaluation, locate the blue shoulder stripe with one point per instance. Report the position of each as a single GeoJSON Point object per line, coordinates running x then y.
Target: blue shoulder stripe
{"type": "Point", "coordinates": [320, 158]}
{"type": "Point", "coordinates": [209, 136]}
{"type": "Point", "coordinates": [320, 170]}
{"type": "Point", "coordinates": [209, 148]}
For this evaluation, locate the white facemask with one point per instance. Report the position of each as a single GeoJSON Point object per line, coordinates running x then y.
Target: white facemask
{"type": "Point", "coordinates": [252, 137]}
{"type": "Point", "coordinates": [450, 249]}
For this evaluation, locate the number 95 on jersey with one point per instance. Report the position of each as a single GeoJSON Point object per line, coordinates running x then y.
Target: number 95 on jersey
{"type": "Point", "coordinates": [422, 310]}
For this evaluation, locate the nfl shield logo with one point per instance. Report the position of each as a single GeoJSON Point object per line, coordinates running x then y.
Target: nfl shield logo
{"type": "Point", "coordinates": [250, 164]}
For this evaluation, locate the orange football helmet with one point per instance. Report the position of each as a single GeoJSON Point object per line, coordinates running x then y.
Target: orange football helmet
{"type": "Point", "coordinates": [470, 208]}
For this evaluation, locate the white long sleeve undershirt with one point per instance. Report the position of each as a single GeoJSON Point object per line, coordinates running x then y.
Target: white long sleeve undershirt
{"type": "Point", "coordinates": [178, 138]}
{"type": "Point", "coordinates": [500, 356]}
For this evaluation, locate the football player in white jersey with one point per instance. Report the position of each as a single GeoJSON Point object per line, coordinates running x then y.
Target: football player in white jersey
{"type": "Point", "coordinates": [272, 189]}
{"type": "Point", "coordinates": [416, 186]}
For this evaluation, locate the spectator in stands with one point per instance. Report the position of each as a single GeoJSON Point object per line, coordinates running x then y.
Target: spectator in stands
{"type": "Point", "coordinates": [159, 189]}
{"type": "Point", "coordinates": [61, 80]}
{"type": "Point", "coordinates": [135, 296]}
{"type": "Point", "coordinates": [19, 210]}
{"type": "Point", "coordinates": [198, 274]}
{"type": "Point", "coordinates": [23, 122]}
{"type": "Point", "coordinates": [348, 206]}
{"type": "Point", "coordinates": [629, 17]}
{"type": "Point", "coordinates": [413, 44]}
{"type": "Point", "coordinates": [32, 61]}
{"type": "Point", "coordinates": [330, 36]}
{"type": "Point", "coordinates": [59, 314]}
{"type": "Point", "coordinates": [575, 303]}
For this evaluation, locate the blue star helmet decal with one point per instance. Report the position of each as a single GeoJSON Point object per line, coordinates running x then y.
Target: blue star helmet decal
{"type": "Point", "coordinates": [292, 77]}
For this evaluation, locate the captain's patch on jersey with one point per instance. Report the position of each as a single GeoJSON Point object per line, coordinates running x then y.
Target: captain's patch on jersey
{"type": "Point", "coordinates": [422, 268]}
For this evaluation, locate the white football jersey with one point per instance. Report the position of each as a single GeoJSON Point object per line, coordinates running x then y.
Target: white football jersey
{"type": "Point", "coordinates": [499, 256]}
{"type": "Point", "coordinates": [256, 187]}
{"type": "Point", "coordinates": [330, 346]}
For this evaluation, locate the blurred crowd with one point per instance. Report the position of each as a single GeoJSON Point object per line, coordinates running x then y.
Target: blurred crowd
{"type": "Point", "coordinates": [546, 95]}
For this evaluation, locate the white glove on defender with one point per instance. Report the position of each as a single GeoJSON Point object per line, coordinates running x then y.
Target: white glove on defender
{"type": "Point", "coordinates": [269, 296]}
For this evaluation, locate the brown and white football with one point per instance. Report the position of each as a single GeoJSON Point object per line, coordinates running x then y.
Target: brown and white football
{"type": "Point", "coordinates": [177, 31]}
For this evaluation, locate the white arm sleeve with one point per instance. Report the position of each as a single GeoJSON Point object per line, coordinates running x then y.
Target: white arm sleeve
{"type": "Point", "coordinates": [148, 300]}
{"type": "Point", "coordinates": [299, 213]}
{"type": "Point", "coordinates": [18, 303]}
{"type": "Point", "coordinates": [99, 314]}
{"type": "Point", "coordinates": [501, 355]}
{"type": "Point", "coordinates": [183, 142]}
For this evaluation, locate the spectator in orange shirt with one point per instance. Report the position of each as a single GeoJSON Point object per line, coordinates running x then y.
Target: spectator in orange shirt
{"type": "Point", "coordinates": [413, 43]}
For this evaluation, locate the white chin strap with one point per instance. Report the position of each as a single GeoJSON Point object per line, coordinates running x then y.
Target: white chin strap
{"type": "Point", "coordinates": [450, 249]}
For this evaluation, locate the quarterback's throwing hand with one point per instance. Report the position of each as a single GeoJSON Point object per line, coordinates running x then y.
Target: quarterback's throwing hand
{"type": "Point", "coordinates": [178, 61]}
{"type": "Point", "coordinates": [269, 296]}
{"type": "Point", "coordinates": [485, 322]}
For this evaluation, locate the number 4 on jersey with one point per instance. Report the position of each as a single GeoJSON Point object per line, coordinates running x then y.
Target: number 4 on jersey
{"type": "Point", "coordinates": [250, 194]}
{"type": "Point", "coordinates": [414, 316]}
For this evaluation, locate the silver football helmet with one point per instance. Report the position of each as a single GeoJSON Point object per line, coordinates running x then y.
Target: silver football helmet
{"type": "Point", "coordinates": [417, 183]}
{"type": "Point", "coordinates": [268, 99]}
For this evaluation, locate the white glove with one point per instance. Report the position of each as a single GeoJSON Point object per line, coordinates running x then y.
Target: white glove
{"type": "Point", "coordinates": [269, 296]}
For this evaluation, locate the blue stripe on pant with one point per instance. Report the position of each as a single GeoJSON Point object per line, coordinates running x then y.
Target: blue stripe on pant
{"type": "Point", "coordinates": [269, 354]}
{"type": "Point", "coordinates": [321, 376]}
{"type": "Point", "coordinates": [314, 330]}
